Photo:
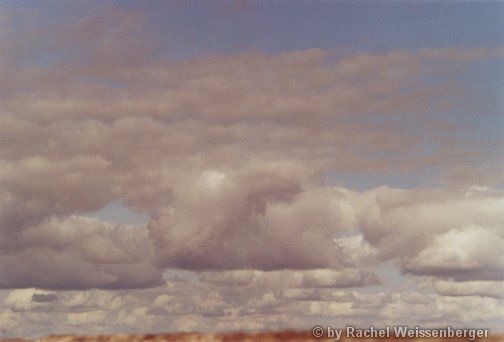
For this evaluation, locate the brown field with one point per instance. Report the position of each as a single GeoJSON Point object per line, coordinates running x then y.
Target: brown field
{"type": "Point", "coordinates": [229, 337]}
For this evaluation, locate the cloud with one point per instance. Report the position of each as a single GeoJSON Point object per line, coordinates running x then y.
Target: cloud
{"type": "Point", "coordinates": [43, 298]}
{"type": "Point", "coordinates": [79, 252]}
{"type": "Point", "coordinates": [293, 279]}
{"type": "Point", "coordinates": [357, 249]}
{"type": "Point", "coordinates": [493, 289]}
{"type": "Point", "coordinates": [214, 219]}
{"type": "Point", "coordinates": [263, 222]}
{"type": "Point", "coordinates": [203, 306]}
{"type": "Point", "coordinates": [434, 311]}
{"type": "Point", "coordinates": [261, 219]}
{"type": "Point", "coordinates": [401, 223]}
{"type": "Point", "coordinates": [28, 299]}
{"type": "Point", "coordinates": [88, 318]}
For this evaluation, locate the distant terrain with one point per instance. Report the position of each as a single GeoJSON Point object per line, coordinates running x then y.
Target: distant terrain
{"type": "Point", "coordinates": [265, 336]}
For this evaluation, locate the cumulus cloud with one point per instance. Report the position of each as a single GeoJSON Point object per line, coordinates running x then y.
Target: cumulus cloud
{"type": "Point", "coordinates": [285, 279]}
{"type": "Point", "coordinates": [78, 252]}
{"type": "Point", "coordinates": [233, 158]}
{"type": "Point", "coordinates": [28, 299]}
{"type": "Point", "coordinates": [401, 223]}
{"type": "Point", "coordinates": [203, 306]}
{"type": "Point", "coordinates": [469, 253]}
{"type": "Point", "coordinates": [226, 159]}
{"type": "Point", "coordinates": [493, 289]}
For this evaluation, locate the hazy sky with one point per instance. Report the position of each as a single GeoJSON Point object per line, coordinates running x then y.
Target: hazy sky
{"type": "Point", "coordinates": [250, 165]}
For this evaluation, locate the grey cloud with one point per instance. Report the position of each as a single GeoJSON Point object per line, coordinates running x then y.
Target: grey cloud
{"type": "Point", "coordinates": [402, 223]}
{"type": "Point", "coordinates": [29, 300]}
{"type": "Point", "coordinates": [79, 252]}
{"type": "Point", "coordinates": [324, 278]}
{"type": "Point", "coordinates": [260, 224]}
{"type": "Point", "coordinates": [44, 298]}
{"type": "Point", "coordinates": [227, 155]}
{"type": "Point", "coordinates": [493, 289]}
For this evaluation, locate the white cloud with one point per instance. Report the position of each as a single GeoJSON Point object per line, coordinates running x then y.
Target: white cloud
{"type": "Point", "coordinates": [494, 289]}
{"type": "Point", "coordinates": [292, 279]}
{"type": "Point", "coordinates": [26, 299]}
{"type": "Point", "coordinates": [467, 253]}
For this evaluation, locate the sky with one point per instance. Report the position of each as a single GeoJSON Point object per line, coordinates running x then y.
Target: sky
{"type": "Point", "coordinates": [250, 165]}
